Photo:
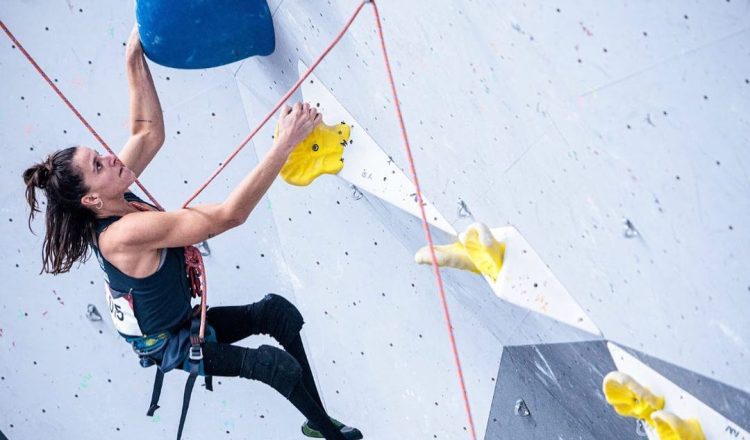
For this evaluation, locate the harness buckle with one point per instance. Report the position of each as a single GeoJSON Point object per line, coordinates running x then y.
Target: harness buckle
{"type": "Point", "coordinates": [196, 353]}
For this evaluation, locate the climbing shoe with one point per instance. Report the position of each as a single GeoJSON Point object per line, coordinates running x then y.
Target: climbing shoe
{"type": "Point", "coordinates": [310, 430]}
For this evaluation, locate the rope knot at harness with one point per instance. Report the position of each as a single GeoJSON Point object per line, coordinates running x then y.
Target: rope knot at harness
{"type": "Point", "coordinates": [196, 273]}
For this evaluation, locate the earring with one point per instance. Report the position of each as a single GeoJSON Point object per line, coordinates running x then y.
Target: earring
{"type": "Point", "coordinates": [100, 205]}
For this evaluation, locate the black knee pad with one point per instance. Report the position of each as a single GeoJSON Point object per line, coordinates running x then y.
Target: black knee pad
{"type": "Point", "coordinates": [272, 366]}
{"type": "Point", "coordinates": [280, 318]}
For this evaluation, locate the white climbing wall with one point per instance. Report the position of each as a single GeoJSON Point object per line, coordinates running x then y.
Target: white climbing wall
{"type": "Point", "coordinates": [612, 136]}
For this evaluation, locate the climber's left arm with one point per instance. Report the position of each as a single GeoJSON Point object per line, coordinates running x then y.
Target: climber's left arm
{"type": "Point", "coordinates": [146, 120]}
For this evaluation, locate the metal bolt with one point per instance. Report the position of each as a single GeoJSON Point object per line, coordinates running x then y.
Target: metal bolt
{"type": "Point", "coordinates": [640, 428]}
{"type": "Point", "coordinates": [315, 147]}
{"type": "Point", "coordinates": [203, 248]}
{"type": "Point", "coordinates": [630, 230]}
{"type": "Point", "coordinates": [92, 314]}
{"type": "Point", "coordinates": [356, 193]}
{"type": "Point", "coordinates": [521, 409]}
{"type": "Point", "coordinates": [463, 210]}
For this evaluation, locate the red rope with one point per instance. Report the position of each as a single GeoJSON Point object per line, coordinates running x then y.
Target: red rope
{"type": "Point", "coordinates": [426, 227]}
{"type": "Point", "coordinates": [70, 106]}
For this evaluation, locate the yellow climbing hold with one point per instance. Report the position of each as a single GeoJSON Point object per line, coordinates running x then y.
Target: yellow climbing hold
{"type": "Point", "coordinates": [476, 251]}
{"type": "Point", "coordinates": [485, 252]}
{"type": "Point", "coordinates": [629, 398]}
{"type": "Point", "coordinates": [671, 427]}
{"type": "Point", "coordinates": [319, 153]}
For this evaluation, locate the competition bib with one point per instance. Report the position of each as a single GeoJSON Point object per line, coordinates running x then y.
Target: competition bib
{"type": "Point", "coordinates": [121, 310]}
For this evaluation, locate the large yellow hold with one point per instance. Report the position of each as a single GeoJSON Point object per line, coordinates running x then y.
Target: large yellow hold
{"type": "Point", "coordinates": [319, 153]}
{"type": "Point", "coordinates": [629, 398]}
{"type": "Point", "coordinates": [476, 250]}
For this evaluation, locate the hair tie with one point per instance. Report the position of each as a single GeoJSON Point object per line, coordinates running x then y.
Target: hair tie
{"type": "Point", "coordinates": [44, 172]}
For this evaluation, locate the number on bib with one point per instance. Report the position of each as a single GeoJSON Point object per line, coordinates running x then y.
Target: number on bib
{"type": "Point", "coordinates": [122, 313]}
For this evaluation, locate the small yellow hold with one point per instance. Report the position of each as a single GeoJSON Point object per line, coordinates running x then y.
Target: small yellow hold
{"type": "Point", "coordinates": [671, 427]}
{"type": "Point", "coordinates": [321, 152]}
{"type": "Point", "coordinates": [629, 398]}
{"type": "Point", "coordinates": [476, 251]}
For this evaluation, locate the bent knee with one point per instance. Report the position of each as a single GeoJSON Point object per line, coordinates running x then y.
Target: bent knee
{"type": "Point", "coordinates": [282, 318]}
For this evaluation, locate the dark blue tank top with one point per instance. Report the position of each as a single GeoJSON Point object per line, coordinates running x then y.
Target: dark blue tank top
{"type": "Point", "coordinates": [161, 301]}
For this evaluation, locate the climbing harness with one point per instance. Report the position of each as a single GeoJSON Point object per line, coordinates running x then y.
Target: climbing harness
{"type": "Point", "coordinates": [196, 265]}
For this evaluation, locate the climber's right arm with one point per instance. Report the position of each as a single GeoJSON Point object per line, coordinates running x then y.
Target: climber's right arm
{"type": "Point", "coordinates": [148, 230]}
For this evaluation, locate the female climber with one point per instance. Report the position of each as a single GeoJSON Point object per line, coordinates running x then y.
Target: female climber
{"type": "Point", "coordinates": [141, 251]}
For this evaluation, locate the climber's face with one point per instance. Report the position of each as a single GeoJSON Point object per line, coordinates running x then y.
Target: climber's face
{"type": "Point", "coordinates": [105, 176]}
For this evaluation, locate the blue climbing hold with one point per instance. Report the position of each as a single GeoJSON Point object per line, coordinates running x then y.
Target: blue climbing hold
{"type": "Point", "coordinates": [196, 34]}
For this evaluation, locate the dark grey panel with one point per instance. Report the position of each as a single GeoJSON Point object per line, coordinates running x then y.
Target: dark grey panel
{"type": "Point", "coordinates": [730, 402]}
{"type": "Point", "coordinates": [561, 387]}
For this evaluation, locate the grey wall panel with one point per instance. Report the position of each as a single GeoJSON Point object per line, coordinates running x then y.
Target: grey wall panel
{"type": "Point", "coordinates": [553, 391]}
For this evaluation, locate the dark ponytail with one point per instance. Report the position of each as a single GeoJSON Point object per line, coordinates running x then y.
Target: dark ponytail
{"type": "Point", "coordinates": [70, 225]}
